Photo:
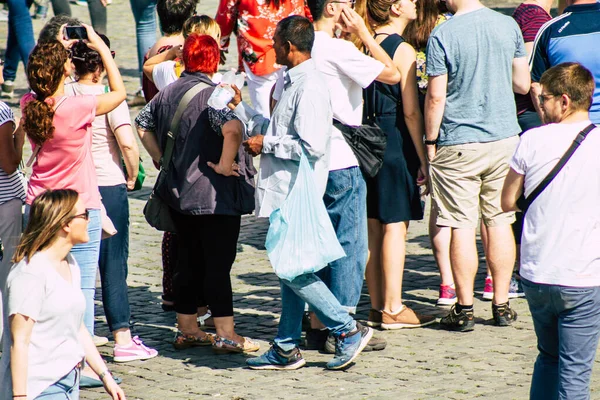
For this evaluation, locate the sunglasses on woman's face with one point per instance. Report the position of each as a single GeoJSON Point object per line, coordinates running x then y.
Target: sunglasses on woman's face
{"type": "Point", "coordinates": [85, 215]}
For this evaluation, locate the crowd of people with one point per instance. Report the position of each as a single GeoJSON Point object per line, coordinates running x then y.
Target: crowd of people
{"type": "Point", "coordinates": [483, 112]}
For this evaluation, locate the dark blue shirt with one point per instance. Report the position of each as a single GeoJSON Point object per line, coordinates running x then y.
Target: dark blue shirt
{"type": "Point", "coordinates": [572, 37]}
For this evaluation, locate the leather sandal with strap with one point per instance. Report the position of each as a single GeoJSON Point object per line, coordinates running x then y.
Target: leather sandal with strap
{"type": "Point", "coordinates": [183, 341]}
{"type": "Point", "coordinates": [223, 345]}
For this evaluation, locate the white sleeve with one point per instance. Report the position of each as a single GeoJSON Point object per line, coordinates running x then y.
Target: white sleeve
{"type": "Point", "coordinates": [26, 294]}
{"type": "Point", "coordinates": [518, 161]}
{"type": "Point", "coordinates": [163, 74]}
{"type": "Point", "coordinates": [359, 67]}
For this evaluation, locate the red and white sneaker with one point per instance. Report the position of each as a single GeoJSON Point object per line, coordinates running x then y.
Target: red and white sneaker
{"type": "Point", "coordinates": [135, 351]}
{"type": "Point", "coordinates": [488, 289]}
{"type": "Point", "coordinates": [447, 296]}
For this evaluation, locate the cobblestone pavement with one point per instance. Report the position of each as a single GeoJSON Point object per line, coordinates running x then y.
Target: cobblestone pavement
{"type": "Point", "coordinates": [429, 363]}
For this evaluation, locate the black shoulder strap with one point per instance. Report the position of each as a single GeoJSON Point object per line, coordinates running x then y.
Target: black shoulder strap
{"type": "Point", "coordinates": [174, 128]}
{"type": "Point", "coordinates": [524, 203]}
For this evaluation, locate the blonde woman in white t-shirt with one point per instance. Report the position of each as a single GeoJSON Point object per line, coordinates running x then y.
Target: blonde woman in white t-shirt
{"type": "Point", "coordinates": [166, 67]}
{"type": "Point", "coordinates": [45, 340]}
{"type": "Point", "coordinates": [112, 141]}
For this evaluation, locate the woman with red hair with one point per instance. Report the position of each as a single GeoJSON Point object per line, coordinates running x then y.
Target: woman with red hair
{"type": "Point", "coordinates": [208, 186]}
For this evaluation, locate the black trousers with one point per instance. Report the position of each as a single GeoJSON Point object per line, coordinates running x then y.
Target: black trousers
{"type": "Point", "coordinates": [206, 250]}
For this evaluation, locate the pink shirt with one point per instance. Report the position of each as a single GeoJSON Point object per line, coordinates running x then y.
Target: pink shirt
{"type": "Point", "coordinates": [65, 161]}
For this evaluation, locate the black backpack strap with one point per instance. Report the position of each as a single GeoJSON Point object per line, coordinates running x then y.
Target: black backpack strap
{"type": "Point", "coordinates": [524, 203]}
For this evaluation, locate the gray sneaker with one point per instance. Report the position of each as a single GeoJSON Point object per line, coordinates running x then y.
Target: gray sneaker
{"type": "Point", "coordinates": [375, 344]}
{"type": "Point", "coordinates": [515, 290]}
{"type": "Point", "coordinates": [8, 89]}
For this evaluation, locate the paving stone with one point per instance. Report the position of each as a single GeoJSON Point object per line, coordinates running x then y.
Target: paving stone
{"type": "Point", "coordinates": [489, 363]}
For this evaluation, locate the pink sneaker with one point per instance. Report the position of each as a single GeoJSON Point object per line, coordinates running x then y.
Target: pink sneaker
{"type": "Point", "coordinates": [447, 296]}
{"type": "Point", "coordinates": [488, 289]}
{"type": "Point", "coordinates": [135, 351]}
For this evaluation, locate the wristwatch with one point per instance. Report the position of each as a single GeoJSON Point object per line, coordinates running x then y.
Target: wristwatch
{"type": "Point", "coordinates": [431, 142]}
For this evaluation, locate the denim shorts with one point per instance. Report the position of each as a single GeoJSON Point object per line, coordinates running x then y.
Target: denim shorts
{"type": "Point", "coordinates": [67, 388]}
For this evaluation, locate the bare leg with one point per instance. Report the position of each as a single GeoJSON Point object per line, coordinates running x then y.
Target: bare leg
{"type": "Point", "coordinates": [485, 242]}
{"type": "Point", "coordinates": [122, 336]}
{"type": "Point", "coordinates": [224, 326]}
{"type": "Point", "coordinates": [440, 242]}
{"type": "Point", "coordinates": [374, 273]}
{"type": "Point", "coordinates": [463, 255]}
{"type": "Point", "coordinates": [188, 325]}
{"type": "Point", "coordinates": [393, 251]}
{"type": "Point", "coordinates": [501, 259]}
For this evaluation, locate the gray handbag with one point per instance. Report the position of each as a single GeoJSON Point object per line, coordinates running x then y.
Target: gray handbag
{"type": "Point", "coordinates": [156, 211]}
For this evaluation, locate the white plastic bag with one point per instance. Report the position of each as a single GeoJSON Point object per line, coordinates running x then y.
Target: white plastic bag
{"type": "Point", "coordinates": [301, 238]}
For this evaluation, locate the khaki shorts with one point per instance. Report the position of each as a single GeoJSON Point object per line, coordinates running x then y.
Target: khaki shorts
{"type": "Point", "coordinates": [467, 181]}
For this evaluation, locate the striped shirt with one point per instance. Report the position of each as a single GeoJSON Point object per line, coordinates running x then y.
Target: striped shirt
{"type": "Point", "coordinates": [11, 186]}
{"type": "Point", "coordinates": [530, 18]}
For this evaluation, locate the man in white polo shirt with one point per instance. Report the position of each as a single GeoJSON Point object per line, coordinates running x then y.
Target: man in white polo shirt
{"type": "Point", "coordinates": [347, 71]}
{"type": "Point", "coordinates": [560, 256]}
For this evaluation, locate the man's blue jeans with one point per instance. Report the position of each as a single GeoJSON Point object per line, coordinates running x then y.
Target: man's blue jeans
{"type": "Point", "coordinates": [346, 202]}
{"type": "Point", "coordinates": [308, 288]}
{"type": "Point", "coordinates": [567, 325]}
{"type": "Point", "coordinates": [20, 38]}
{"type": "Point", "coordinates": [145, 28]}
{"type": "Point", "coordinates": [114, 252]}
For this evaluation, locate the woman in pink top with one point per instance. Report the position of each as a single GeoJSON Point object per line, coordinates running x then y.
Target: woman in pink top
{"type": "Point", "coordinates": [59, 129]}
{"type": "Point", "coordinates": [112, 140]}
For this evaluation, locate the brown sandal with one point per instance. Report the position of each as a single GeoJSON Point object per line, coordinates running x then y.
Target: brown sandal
{"type": "Point", "coordinates": [183, 341]}
{"type": "Point", "coordinates": [223, 346]}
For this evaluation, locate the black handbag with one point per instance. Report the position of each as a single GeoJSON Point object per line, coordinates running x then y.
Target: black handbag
{"type": "Point", "coordinates": [156, 211]}
{"type": "Point", "coordinates": [368, 143]}
{"type": "Point", "coordinates": [522, 202]}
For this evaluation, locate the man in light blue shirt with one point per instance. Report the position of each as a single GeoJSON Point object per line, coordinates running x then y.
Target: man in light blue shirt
{"type": "Point", "coordinates": [301, 120]}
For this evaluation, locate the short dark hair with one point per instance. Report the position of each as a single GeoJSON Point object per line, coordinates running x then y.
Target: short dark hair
{"type": "Point", "coordinates": [85, 59]}
{"type": "Point", "coordinates": [51, 30]}
{"type": "Point", "coordinates": [316, 8]}
{"type": "Point", "coordinates": [298, 31]}
{"type": "Point", "coordinates": [572, 79]}
{"type": "Point", "coordinates": [172, 14]}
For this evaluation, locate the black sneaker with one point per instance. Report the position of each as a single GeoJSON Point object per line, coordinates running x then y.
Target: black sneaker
{"type": "Point", "coordinates": [315, 339]}
{"type": "Point", "coordinates": [459, 322]}
{"type": "Point", "coordinates": [306, 321]}
{"type": "Point", "coordinates": [503, 314]}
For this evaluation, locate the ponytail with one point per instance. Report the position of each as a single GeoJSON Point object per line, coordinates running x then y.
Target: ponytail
{"type": "Point", "coordinates": [45, 72]}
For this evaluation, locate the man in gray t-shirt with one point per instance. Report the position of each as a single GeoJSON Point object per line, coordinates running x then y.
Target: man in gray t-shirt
{"type": "Point", "coordinates": [475, 62]}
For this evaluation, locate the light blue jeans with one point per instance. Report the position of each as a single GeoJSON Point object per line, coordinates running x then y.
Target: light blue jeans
{"type": "Point", "coordinates": [567, 326]}
{"type": "Point", "coordinates": [346, 202]}
{"type": "Point", "coordinates": [145, 28]}
{"type": "Point", "coordinates": [308, 288]}
{"type": "Point", "coordinates": [67, 388]}
{"type": "Point", "coordinates": [87, 255]}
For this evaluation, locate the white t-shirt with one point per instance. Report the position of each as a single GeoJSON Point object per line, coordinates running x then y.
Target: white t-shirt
{"type": "Point", "coordinates": [36, 290]}
{"type": "Point", "coordinates": [163, 74]}
{"type": "Point", "coordinates": [561, 234]}
{"type": "Point", "coordinates": [105, 148]}
{"type": "Point", "coordinates": [347, 72]}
